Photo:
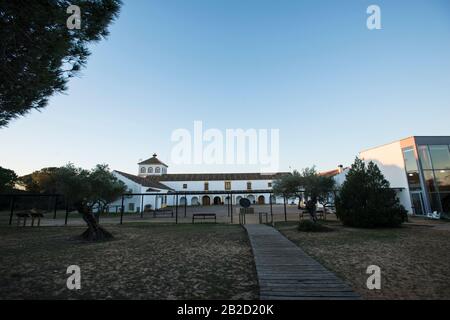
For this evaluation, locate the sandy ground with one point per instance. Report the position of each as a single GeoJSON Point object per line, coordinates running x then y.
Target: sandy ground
{"type": "Point", "coordinates": [414, 260]}
{"type": "Point", "coordinates": [146, 261]}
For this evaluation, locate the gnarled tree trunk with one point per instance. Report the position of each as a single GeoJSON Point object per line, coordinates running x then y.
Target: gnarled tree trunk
{"type": "Point", "coordinates": [94, 232]}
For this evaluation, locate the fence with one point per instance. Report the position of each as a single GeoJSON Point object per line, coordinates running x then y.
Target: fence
{"type": "Point", "coordinates": [58, 212]}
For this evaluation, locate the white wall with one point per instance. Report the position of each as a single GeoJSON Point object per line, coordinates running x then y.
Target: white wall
{"type": "Point", "coordinates": [389, 158]}
{"type": "Point", "coordinates": [159, 202]}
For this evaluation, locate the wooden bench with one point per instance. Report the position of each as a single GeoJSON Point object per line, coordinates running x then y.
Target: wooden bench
{"type": "Point", "coordinates": [204, 216]}
{"type": "Point", "coordinates": [24, 216]}
{"type": "Point", "coordinates": [33, 214]}
{"type": "Point", "coordinates": [38, 216]}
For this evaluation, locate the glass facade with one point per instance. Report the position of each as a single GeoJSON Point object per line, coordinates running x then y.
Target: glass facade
{"type": "Point", "coordinates": [413, 177]}
{"type": "Point", "coordinates": [435, 164]}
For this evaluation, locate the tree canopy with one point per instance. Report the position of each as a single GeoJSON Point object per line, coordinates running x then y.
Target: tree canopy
{"type": "Point", "coordinates": [39, 53]}
{"type": "Point", "coordinates": [307, 185]}
{"type": "Point", "coordinates": [8, 179]}
{"type": "Point", "coordinates": [96, 187]}
{"type": "Point", "coordinates": [83, 190]}
{"type": "Point", "coordinates": [366, 199]}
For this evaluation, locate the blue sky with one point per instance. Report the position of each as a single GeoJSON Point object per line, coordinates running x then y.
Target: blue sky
{"type": "Point", "coordinates": [309, 68]}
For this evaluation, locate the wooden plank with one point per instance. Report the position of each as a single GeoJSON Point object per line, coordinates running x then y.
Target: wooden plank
{"type": "Point", "coordinates": [286, 272]}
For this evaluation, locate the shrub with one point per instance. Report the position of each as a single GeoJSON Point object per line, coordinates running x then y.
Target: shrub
{"type": "Point", "coordinates": [366, 200]}
{"type": "Point", "coordinates": [311, 226]}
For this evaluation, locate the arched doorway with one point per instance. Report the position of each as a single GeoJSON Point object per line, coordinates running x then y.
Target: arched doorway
{"type": "Point", "coordinates": [206, 201]}
{"type": "Point", "coordinates": [194, 201]}
{"type": "Point", "coordinates": [238, 198]}
{"type": "Point", "coordinates": [227, 200]}
{"type": "Point", "coordinates": [217, 201]}
{"type": "Point", "coordinates": [251, 198]}
{"type": "Point", "coordinates": [261, 200]}
{"type": "Point", "coordinates": [182, 201]}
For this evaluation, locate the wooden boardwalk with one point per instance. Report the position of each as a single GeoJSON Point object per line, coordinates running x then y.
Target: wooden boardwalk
{"type": "Point", "coordinates": [286, 272]}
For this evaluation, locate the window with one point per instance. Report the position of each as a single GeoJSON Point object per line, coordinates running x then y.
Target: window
{"type": "Point", "coordinates": [430, 181]}
{"type": "Point", "coordinates": [227, 185]}
{"type": "Point", "coordinates": [413, 181]}
{"type": "Point", "coordinates": [185, 186]}
{"type": "Point", "coordinates": [249, 186]}
{"type": "Point", "coordinates": [435, 202]}
{"type": "Point", "coordinates": [443, 180]}
{"type": "Point", "coordinates": [412, 169]}
{"type": "Point", "coordinates": [150, 170]}
{"type": "Point", "coordinates": [206, 186]}
{"type": "Point", "coordinates": [410, 160]}
{"type": "Point", "coordinates": [143, 170]}
{"type": "Point", "coordinates": [445, 201]}
{"type": "Point", "coordinates": [158, 170]}
{"type": "Point", "coordinates": [131, 207]}
{"type": "Point", "coordinates": [440, 157]}
{"type": "Point", "coordinates": [269, 185]}
{"type": "Point", "coordinates": [425, 159]}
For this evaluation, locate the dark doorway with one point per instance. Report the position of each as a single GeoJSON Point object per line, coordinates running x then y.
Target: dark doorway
{"type": "Point", "coordinates": [206, 201]}
{"type": "Point", "coordinates": [217, 201]}
{"type": "Point", "coordinates": [261, 200]}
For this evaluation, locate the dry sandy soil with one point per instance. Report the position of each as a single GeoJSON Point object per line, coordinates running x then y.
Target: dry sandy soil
{"type": "Point", "coordinates": [144, 262]}
{"type": "Point", "coordinates": [414, 260]}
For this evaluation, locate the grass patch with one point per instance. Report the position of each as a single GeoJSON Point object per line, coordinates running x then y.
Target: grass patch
{"type": "Point", "coordinates": [413, 260]}
{"type": "Point", "coordinates": [145, 261]}
{"type": "Point", "coordinates": [311, 226]}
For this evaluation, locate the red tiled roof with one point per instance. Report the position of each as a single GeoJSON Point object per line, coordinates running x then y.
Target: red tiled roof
{"type": "Point", "coordinates": [331, 173]}
{"type": "Point", "coordinates": [144, 181]}
{"type": "Point", "coordinates": [153, 160]}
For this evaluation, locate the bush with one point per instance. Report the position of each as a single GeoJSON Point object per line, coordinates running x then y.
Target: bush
{"type": "Point", "coordinates": [311, 226]}
{"type": "Point", "coordinates": [366, 200]}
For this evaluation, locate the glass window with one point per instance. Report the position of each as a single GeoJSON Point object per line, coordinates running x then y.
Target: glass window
{"type": "Point", "coordinates": [413, 181]}
{"type": "Point", "coordinates": [440, 156]}
{"type": "Point", "coordinates": [424, 156]}
{"type": "Point", "coordinates": [445, 200]}
{"type": "Point", "coordinates": [429, 180]}
{"type": "Point", "coordinates": [435, 202]}
{"type": "Point", "coordinates": [185, 186]}
{"type": "Point", "coordinates": [269, 184]}
{"type": "Point", "coordinates": [143, 170]}
{"type": "Point", "coordinates": [443, 180]}
{"type": "Point", "coordinates": [206, 186]}
{"type": "Point", "coordinates": [227, 185]}
{"type": "Point", "coordinates": [158, 170]}
{"type": "Point", "coordinates": [249, 186]}
{"type": "Point", "coordinates": [410, 160]}
{"type": "Point", "coordinates": [131, 207]}
{"type": "Point", "coordinates": [150, 170]}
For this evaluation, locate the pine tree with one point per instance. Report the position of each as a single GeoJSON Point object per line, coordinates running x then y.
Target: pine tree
{"type": "Point", "coordinates": [366, 200]}
{"type": "Point", "coordinates": [39, 53]}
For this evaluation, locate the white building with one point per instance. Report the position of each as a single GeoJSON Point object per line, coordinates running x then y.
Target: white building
{"type": "Point", "coordinates": [158, 187]}
{"type": "Point", "coordinates": [418, 168]}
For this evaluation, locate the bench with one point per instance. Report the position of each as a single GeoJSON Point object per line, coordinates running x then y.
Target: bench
{"type": "Point", "coordinates": [24, 216]}
{"type": "Point", "coordinates": [38, 216]}
{"type": "Point", "coordinates": [162, 212]}
{"type": "Point", "coordinates": [204, 216]}
{"type": "Point", "coordinates": [33, 214]}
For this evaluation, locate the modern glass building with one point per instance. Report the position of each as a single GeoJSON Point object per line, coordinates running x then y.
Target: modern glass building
{"type": "Point", "coordinates": [419, 168]}
{"type": "Point", "coordinates": [427, 163]}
